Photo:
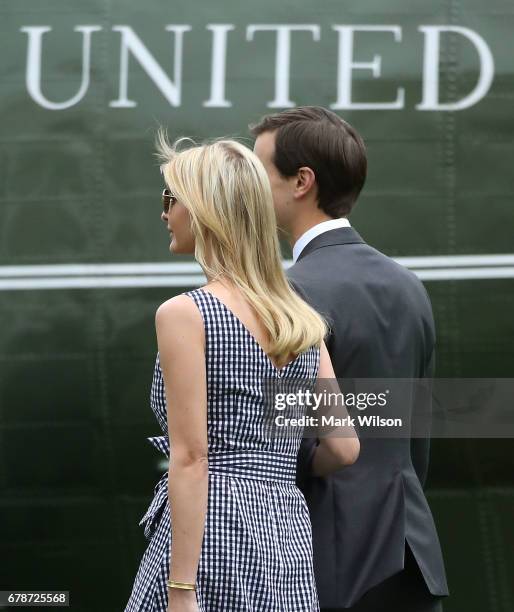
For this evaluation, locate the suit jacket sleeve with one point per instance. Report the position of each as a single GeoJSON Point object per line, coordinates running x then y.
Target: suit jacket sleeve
{"type": "Point", "coordinates": [420, 447]}
{"type": "Point", "coordinates": [304, 460]}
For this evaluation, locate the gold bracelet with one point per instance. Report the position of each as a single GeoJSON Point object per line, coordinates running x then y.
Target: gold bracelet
{"type": "Point", "coordinates": [188, 586]}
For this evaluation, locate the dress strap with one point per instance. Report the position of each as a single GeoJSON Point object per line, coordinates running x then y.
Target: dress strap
{"type": "Point", "coordinates": [205, 303]}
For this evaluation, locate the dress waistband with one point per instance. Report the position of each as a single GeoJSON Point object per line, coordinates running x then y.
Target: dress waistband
{"type": "Point", "coordinates": [254, 464]}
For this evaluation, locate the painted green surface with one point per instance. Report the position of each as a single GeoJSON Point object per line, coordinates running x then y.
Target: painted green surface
{"type": "Point", "coordinates": [80, 185]}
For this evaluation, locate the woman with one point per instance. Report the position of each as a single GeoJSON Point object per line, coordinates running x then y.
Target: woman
{"type": "Point", "coordinates": [228, 529]}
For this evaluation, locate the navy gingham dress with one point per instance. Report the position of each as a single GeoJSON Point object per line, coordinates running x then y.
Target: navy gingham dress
{"type": "Point", "coordinates": [256, 554]}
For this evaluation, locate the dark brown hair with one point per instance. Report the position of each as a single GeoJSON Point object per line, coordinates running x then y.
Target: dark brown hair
{"type": "Point", "coordinates": [318, 138]}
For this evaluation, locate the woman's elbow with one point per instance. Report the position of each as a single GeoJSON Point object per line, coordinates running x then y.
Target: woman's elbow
{"type": "Point", "coordinates": [189, 459]}
{"type": "Point", "coordinates": [350, 451]}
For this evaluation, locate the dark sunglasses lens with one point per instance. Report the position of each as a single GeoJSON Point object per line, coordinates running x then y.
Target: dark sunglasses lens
{"type": "Point", "coordinates": [166, 196]}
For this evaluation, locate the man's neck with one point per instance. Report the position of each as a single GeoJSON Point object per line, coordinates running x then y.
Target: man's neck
{"type": "Point", "coordinates": [300, 226]}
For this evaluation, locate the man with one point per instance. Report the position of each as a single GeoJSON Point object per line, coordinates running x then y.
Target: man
{"type": "Point", "coordinates": [374, 539]}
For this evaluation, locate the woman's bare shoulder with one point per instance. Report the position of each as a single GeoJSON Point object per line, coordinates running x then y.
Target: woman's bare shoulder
{"type": "Point", "coordinates": [180, 313]}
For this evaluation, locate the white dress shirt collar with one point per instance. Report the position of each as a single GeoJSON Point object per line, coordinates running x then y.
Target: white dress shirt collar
{"type": "Point", "coordinates": [316, 230]}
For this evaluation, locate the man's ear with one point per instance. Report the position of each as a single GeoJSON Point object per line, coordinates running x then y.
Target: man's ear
{"type": "Point", "coordinates": [305, 181]}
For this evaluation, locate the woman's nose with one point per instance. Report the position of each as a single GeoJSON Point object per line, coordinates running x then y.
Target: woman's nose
{"type": "Point", "coordinates": [164, 217]}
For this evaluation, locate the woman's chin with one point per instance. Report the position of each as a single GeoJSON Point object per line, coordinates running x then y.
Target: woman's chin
{"type": "Point", "coordinates": [184, 247]}
{"type": "Point", "coordinates": [177, 250]}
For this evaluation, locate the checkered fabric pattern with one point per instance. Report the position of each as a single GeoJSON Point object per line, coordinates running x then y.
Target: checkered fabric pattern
{"type": "Point", "coordinates": [256, 554]}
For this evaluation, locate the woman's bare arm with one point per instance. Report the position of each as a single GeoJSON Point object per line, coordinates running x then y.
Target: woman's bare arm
{"type": "Point", "coordinates": [181, 342]}
{"type": "Point", "coordinates": [342, 447]}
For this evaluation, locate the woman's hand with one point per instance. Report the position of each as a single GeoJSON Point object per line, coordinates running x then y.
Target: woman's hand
{"type": "Point", "coordinates": [180, 600]}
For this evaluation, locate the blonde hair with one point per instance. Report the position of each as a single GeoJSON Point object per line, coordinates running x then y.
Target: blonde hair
{"type": "Point", "coordinates": [226, 190]}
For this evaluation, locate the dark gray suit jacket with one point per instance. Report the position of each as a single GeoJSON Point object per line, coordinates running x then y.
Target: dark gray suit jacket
{"type": "Point", "coordinates": [381, 327]}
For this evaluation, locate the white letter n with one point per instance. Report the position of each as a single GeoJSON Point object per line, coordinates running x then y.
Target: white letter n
{"type": "Point", "coordinates": [131, 42]}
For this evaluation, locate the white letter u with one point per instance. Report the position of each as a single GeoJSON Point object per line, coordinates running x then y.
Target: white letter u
{"type": "Point", "coordinates": [34, 56]}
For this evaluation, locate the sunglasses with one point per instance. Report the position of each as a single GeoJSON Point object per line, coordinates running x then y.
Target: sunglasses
{"type": "Point", "coordinates": [168, 199]}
